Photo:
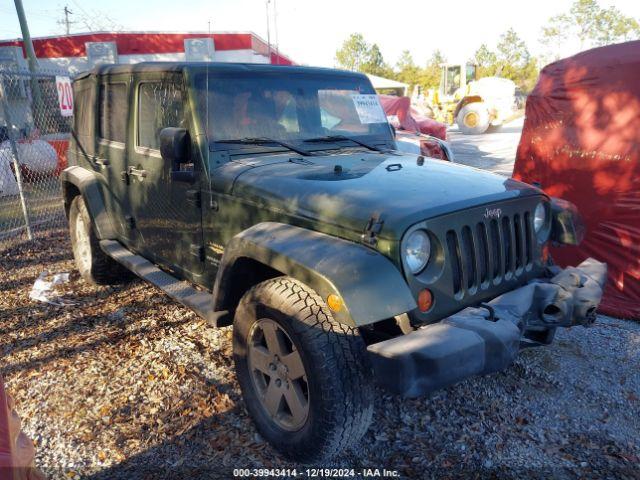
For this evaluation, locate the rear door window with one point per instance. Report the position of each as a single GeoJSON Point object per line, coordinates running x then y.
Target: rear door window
{"type": "Point", "coordinates": [159, 106]}
{"type": "Point", "coordinates": [113, 112]}
{"type": "Point", "coordinates": [84, 121]}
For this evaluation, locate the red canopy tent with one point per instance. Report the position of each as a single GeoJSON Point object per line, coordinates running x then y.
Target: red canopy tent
{"type": "Point", "coordinates": [581, 142]}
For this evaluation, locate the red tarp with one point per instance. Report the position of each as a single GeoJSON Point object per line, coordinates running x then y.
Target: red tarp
{"type": "Point", "coordinates": [581, 142]}
{"type": "Point", "coordinates": [410, 119]}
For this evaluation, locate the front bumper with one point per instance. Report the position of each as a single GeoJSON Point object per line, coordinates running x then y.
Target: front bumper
{"type": "Point", "coordinates": [481, 340]}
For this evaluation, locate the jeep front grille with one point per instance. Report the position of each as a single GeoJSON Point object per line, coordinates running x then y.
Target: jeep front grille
{"type": "Point", "coordinates": [489, 251]}
{"type": "Point", "coordinates": [477, 254]}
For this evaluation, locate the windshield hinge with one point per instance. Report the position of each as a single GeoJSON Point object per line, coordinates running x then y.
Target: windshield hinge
{"type": "Point", "coordinates": [198, 252]}
{"type": "Point", "coordinates": [372, 230]}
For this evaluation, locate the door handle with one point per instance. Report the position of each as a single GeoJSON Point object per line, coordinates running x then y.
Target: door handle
{"type": "Point", "coordinates": [136, 172]}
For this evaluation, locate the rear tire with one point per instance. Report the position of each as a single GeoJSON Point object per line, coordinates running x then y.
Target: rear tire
{"type": "Point", "coordinates": [332, 379]}
{"type": "Point", "coordinates": [473, 119]}
{"type": "Point", "coordinates": [93, 264]}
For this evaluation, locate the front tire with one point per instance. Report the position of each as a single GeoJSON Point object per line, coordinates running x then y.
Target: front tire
{"type": "Point", "coordinates": [473, 119]}
{"type": "Point", "coordinates": [305, 378]}
{"type": "Point", "coordinates": [93, 264]}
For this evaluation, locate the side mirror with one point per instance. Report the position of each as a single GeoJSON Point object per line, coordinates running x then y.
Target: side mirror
{"type": "Point", "coordinates": [174, 149]}
{"type": "Point", "coordinates": [567, 225]}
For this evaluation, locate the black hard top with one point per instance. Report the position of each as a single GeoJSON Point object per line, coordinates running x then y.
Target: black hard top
{"type": "Point", "coordinates": [113, 69]}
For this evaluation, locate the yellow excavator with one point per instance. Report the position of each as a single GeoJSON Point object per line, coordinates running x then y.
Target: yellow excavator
{"type": "Point", "coordinates": [473, 104]}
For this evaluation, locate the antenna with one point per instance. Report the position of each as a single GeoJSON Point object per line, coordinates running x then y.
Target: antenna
{"type": "Point", "coordinates": [275, 26]}
{"type": "Point", "coordinates": [268, 32]}
{"type": "Point", "coordinates": [206, 112]}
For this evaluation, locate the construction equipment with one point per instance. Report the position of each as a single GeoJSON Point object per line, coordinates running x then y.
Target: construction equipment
{"type": "Point", "coordinates": [474, 104]}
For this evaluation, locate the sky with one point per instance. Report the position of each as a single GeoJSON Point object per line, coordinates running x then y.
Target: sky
{"type": "Point", "coordinates": [310, 32]}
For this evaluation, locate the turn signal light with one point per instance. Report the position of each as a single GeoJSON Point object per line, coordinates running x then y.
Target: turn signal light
{"type": "Point", "coordinates": [334, 302]}
{"type": "Point", "coordinates": [545, 253]}
{"type": "Point", "coordinates": [425, 300]}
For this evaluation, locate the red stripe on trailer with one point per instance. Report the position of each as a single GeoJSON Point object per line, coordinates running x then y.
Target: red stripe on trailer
{"type": "Point", "coordinates": [136, 43]}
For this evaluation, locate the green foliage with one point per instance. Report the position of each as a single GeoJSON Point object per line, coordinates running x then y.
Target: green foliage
{"type": "Point", "coordinates": [353, 52]}
{"type": "Point", "coordinates": [586, 20]}
{"type": "Point", "coordinates": [374, 63]}
{"type": "Point", "coordinates": [430, 75]}
{"type": "Point", "coordinates": [357, 55]}
{"type": "Point", "coordinates": [511, 60]}
{"type": "Point", "coordinates": [486, 61]}
{"type": "Point", "coordinates": [406, 69]}
{"type": "Point", "coordinates": [591, 24]}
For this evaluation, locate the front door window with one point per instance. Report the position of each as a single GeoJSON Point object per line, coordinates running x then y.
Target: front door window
{"type": "Point", "coordinates": [167, 215]}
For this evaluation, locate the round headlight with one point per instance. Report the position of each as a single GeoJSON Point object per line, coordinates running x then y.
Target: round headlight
{"type": "Point", "coordinates": [539, 218]}
{"type": "Point", "coordinates": [417, 250]}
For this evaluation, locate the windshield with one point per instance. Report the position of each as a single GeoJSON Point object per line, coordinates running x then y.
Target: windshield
{"type": "Point", "coordinates": [288, 107]}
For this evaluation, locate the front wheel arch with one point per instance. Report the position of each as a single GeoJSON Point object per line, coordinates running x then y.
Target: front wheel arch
{"type": "Point", "coordinates": [466, 101]}
{"type": "Point", "coordinates": [371, 287]}
{"type": "Point", "coordinates": [241, 276]}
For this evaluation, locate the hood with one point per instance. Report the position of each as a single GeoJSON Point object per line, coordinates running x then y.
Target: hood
{"type": "Point", "coordinates": [346, 190]}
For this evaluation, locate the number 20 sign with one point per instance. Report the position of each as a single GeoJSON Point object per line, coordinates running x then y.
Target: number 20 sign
{"type": "Point", "coordinates": [65, 96]}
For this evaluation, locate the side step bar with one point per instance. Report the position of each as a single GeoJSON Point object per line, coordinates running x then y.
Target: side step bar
{"type": "Point", "coordinates": [200, 302]}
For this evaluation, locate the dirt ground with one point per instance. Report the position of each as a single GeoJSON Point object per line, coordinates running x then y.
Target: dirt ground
{"type": "Point", "coordinates": [124, 383]}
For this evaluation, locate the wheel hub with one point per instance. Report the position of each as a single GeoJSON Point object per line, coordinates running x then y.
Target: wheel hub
{"type": "Point", "coordinates": [282, 371]}
{"type": "Point", "coordinates": [471, 119]}
{"type": "Point", "coordinates": [278, 375]}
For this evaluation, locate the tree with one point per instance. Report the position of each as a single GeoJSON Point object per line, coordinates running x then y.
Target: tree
{"type": "Point", "coordinates": [511, 59]}
{"type": "Point", "coordinates": [591, 24]}
{"type": "Point", "coordinates": [407, 70]}
{"type": "Point", "coordinates": [374, 63]}
{"type": "Point", "coordinates": [512, 54]}
{"type": "Point", "coordinates": [357, 55]}
{"type": "Point", "coordinates": [353, 52]}
{"type": "Point", "coordinates": [614, 26]}
{"type": "Point", "coordinates": [430, 75]}
{"type": "Point", "coordinates": [486, 60]}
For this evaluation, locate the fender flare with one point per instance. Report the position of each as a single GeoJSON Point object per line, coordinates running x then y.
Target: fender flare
{"type": "Point", "coordinates": [87, 183]}
{"type": "Point", "coordinates": [464, 101]}
{"type": "Point", "coordinates": [370, 285]}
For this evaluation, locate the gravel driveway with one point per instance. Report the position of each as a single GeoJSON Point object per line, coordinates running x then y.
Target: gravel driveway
{"type": "Point", "coordinates": [494, 151]}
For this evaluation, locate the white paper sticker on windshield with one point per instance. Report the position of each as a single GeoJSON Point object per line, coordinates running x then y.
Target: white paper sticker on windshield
{"type": "Point", "coordinates": [369, 108]}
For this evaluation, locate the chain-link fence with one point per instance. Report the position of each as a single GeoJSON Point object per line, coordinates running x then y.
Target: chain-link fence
{"type": "Point", "coordinates": [34, 136]}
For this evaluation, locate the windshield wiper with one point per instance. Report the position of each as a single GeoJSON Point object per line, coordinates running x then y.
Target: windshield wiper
{"type": "Point", "coordinates": [334, 138]}
{"type": "Point", "coordinates": [265, 140]}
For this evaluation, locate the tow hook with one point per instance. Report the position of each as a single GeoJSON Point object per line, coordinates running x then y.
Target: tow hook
{"type": "Point", "coordinates": [492, 312]}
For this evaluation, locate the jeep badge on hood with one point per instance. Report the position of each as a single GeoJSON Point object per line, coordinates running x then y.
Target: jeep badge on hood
{"type": "Point", "coordinates": [492, 213]}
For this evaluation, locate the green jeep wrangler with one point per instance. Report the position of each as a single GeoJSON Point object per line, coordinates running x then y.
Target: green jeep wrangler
{"type": "Point", "coordinates": [273, 199]}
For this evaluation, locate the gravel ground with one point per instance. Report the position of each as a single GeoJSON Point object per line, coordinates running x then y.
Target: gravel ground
{"type": "Point", "coordinates": [126, 384]}
{"type": "Point", "coordinates": [494, 151]}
